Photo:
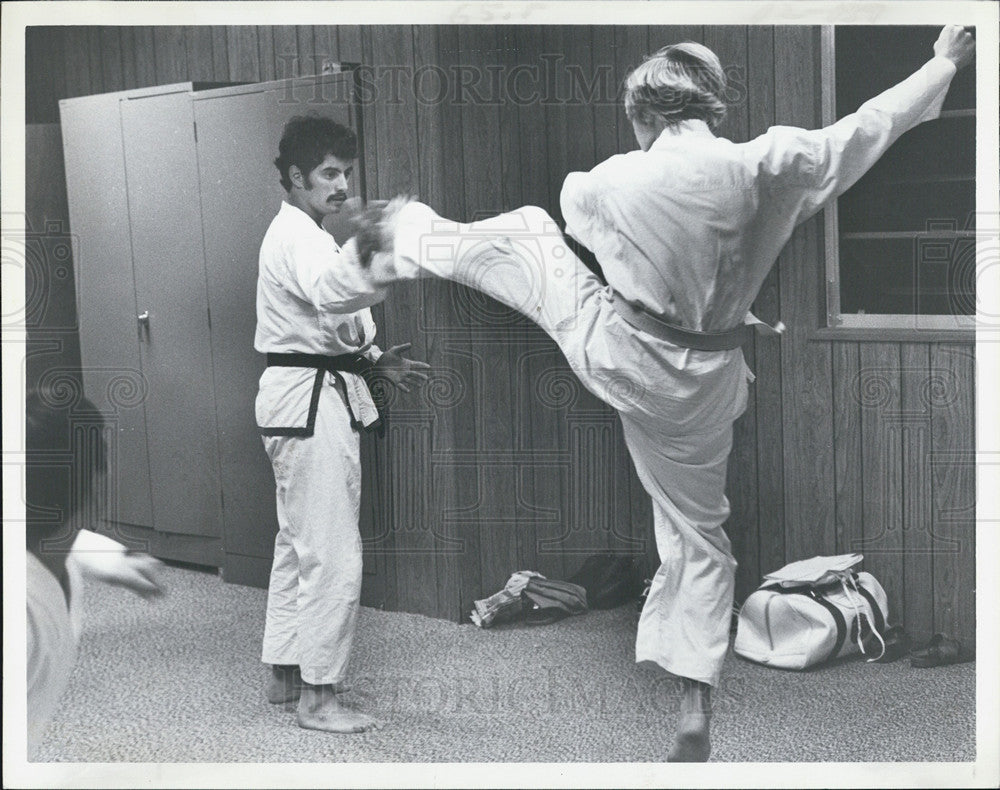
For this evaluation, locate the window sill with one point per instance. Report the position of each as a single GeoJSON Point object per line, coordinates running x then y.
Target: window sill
{"type": "Point", "coordinates": [893, 335]}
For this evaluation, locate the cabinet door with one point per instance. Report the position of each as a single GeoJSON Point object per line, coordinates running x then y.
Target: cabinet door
{"type": "Point", "coordinates": [169, 264]}
{"type": "Point", "coordinates": [238, 134]}
{"type": "Point", "coordinates": [105, 288]}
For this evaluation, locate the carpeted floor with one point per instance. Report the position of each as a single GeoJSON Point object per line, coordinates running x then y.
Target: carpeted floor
{"type": "Point", "coordinates": [179, 680]}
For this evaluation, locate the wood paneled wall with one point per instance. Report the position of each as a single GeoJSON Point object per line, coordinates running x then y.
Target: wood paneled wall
{"type": "Point", "coordinates": [504, 463]}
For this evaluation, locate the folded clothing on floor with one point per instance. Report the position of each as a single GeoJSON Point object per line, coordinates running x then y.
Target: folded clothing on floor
{"type": "Point", "coordinates": [546, 599]}
{"type": "Point", "coordinates": [504, 605]}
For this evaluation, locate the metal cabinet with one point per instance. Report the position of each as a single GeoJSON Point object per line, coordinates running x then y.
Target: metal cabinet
{"type": "Point", "coordinates": [170, 192]}
{"type": "Point", "coordinates": [132, 186]}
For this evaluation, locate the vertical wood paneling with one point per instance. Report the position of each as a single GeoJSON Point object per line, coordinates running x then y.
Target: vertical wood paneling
{"type": "Point", "coordinates": [951, 393]}
{"type": "Point", "coordinates": [917, 615]}
{"type": "Point", "coordinates": [349, 43]}
{"type": "Point", "coordinates": [170, 54]}
{"type": "Point", "coordinates": [539, 427]}
{"type": "Point", "coordinates": [51, 342]}
{"type": "Point", "coordinates": [325, 46]}
{"type": "Point", "coordinates": [112, 74]}
{"type": "Point", "coordinates": [288, 58]}
{"type": "Point", "coordinates": [631, 45]}
{"type": "Point", "coordinates": [265, 53]}
{"type": "Point", "coordinates": [662, 35]}
{"type": "Point", "coordinates": [129, 55]}
{"type": "Point", "coordinates": [806, 365]}
{"type": "Point", "coordinates": [607, 111]}
{"type": "Point", "coordinates": [55, 42]}
{"type": "Point", "coordinates": [848, 471]}
{"type": "Point", "coordinates": [305, 46]}
{"type": "Point", "coordinates": [200, 49]}
{"type": "Point", "coordinates": [145, 56]}
{"type": "Point", "coordinates": [464, 419]}
{"type": "Point", "coordinates": [511, 165]}
{"type": "Point", "coordinates": [76, 61]}
{"type": "Point", "coordinates": [377, 461]}
{"type": "Point", "coordinates": [882, 462]}
{"type": "Point", "coordinates": [220, 54]}
{"type": "Point", "coordinates": [94, 61]}
{"type": "Point", "coordinates": [436, 300]}
{"type": "Point", "coordinates": [40, 97]}
{"type": "Point", "coordinates": [396, 146]}
{"type": "Point", "coordinates": [554, 39]}
{"type": "Point", "coordinates": [484, 198]}
{"type": "Point", "coordinates": [243, 56]}
{"type": "Point", "coordinates": [729, 42]}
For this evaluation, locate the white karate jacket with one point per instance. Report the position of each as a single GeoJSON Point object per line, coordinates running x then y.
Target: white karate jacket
{"type": "Point", "coordinates": [689, 229]}
{"type": "Point", "coordinates": [310, 300]}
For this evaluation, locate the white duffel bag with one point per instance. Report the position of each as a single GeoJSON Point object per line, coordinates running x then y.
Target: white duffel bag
{"type": "Point", "coordinates": [812, 611]}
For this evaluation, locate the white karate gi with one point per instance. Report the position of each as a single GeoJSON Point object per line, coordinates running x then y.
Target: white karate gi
{"type": "Point", "coordinates": [53, 629]}
{"type": "Point", "coordinates": [688, 231]}
{"type": "Point", "coordinates": [311, 300]}
{"type": "Point", "coordinates": [54, 624]}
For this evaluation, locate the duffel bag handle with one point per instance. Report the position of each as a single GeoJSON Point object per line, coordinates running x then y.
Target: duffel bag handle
{"type": "Point", "coordinates": [849, 582]}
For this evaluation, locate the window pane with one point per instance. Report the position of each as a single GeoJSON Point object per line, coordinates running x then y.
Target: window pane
{"type": "Point", "coordinates": [935, 149]}
{"type": "Point", "coordinates": [905, 229]}
{"type": "Point", "coordinates": [871, 59]}
{"type": "Point", "coordinates": [926, 276]}
{"type": "Point", "coordinates": [894, 206]}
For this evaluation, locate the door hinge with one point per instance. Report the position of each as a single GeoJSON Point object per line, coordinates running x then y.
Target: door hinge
{"type": "Point", "coordinates": [195, 124]}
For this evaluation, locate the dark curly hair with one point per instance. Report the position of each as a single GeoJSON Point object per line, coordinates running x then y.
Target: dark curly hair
{"type": "Point", "coordinates": [307, 140]}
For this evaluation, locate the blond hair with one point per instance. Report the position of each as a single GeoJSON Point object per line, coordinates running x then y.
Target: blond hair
{"type": "Point", "coordinates": [678, 82]}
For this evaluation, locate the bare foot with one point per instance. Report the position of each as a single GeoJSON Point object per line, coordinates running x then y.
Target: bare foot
{"type": "Point", "coordinates": [319, 709]}
{"type": "Point", "coordinates": [285, 685]}
{"type": "Point", "coordinates": [691, 742]}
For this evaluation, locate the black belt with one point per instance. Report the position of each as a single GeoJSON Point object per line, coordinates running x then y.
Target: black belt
{"type": "Point", "coordinates": [341, 363]}
{"type": "Point", "coordinates": [348, 363]}
{"type": "Point", "coordinates": [678, 335]}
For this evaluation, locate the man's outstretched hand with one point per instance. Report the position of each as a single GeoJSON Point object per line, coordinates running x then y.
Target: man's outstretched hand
{"type": "Point", "coordinates": [957, 44]}
{"type": "Point", "coordinates": [402, 372]}
{"type": "Point", "coordinates": [106, 560]}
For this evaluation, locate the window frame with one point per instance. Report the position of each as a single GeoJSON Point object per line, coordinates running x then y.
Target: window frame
{"type": "Point", "coordinates": [873, 326]}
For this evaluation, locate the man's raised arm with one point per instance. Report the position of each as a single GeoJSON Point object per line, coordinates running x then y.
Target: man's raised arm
{"type": "Point", "coordinates": [836, 156]}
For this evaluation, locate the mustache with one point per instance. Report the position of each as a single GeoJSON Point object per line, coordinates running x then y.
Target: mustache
{"type": "Point", "coordinates": [339, 197]}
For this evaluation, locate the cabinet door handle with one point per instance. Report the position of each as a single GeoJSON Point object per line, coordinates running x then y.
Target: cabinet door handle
{"type": "Point", "coordinates": [143, 319]}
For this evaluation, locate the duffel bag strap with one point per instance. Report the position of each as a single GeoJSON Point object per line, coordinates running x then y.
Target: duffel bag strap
{"type": "Point", "coordinates": [879, 623]}
{"type": "Point", "coordinates": [835, 613]}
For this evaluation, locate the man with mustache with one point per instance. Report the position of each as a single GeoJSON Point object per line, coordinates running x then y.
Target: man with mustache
{"type": "Point", "coordinates": [313, 400]}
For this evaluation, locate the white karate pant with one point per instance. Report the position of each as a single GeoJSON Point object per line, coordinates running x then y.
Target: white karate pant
{"type": "Point", "coordinates": [315, 588]}
{"type": "Point", "coordinates": [677, 407]}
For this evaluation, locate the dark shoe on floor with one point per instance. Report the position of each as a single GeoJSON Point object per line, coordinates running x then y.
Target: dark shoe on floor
{"type": "Point", "coordinates": [941, 651]}
{"type": "Point", "coordinates": [550, 614]}
{"type": "Point", "coordinates": [897, 645]}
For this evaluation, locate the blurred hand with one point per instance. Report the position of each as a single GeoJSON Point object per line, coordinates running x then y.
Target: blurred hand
{"type": "Point", "coordinates": [140, 573]}
{"type": "Point", "coordinates": [402, 372]}
{"type": "Point", "coordinates": [957, 44]}
{"type": "Point", "coordinates": [135, 571]}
